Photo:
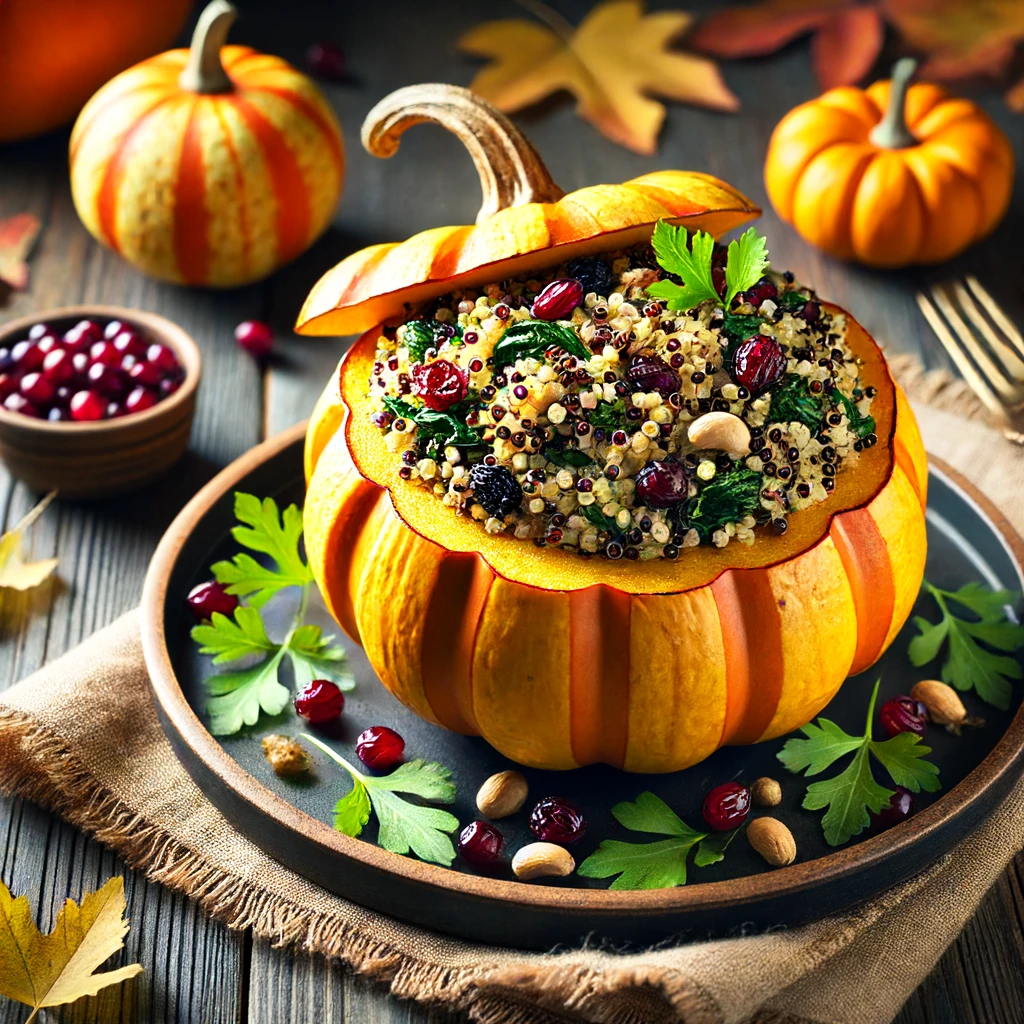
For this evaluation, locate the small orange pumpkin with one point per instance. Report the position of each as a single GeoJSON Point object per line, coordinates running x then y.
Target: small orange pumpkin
{"type": "Point", "coordinates": [892, 175]}
{"type": "Point", "coordinates": [210, 166]}
{"type": "Point", "coordinates": [555, 660]}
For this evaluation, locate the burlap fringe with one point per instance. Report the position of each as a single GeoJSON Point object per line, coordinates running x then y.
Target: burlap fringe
{"type": "Point", "coordinates": [937, 388]}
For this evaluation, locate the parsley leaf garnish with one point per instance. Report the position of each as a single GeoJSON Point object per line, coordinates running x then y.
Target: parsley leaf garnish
{"type": "Point", "coordinates": [853, 793]}
{"type": "Point", "coordinates": [969, 665]}
{"type": "Point", "coordinates": [402, 825]}
{"type": "Point", "coordinates": [657, 865]}
{"type": "Point", "coordinates": [237, 697]}
{"type": "Point", "coordinates": [746, 260]}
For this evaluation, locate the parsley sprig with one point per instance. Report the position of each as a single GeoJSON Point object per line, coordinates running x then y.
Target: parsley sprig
{"type": "Point", "coordinates": [968, 664]}
{"type": "Point", "coordinates": [853, 793]}
{"type": "Point", "coordinates": [402, 825]}
{"type": "Point", "coordinates": [237, 697]}
{"type": "Point", "coordinates": [690, 260]}
{"type": "Point", "coordinates": [657, 865]}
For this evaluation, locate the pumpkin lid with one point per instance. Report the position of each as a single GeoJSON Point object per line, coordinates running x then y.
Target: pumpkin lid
{"type": "Point", "coordinates": [526, 221]}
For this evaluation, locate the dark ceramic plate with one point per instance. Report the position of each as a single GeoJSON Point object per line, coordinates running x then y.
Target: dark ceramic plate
{"type": "Point", "coordinates": [968, 540]}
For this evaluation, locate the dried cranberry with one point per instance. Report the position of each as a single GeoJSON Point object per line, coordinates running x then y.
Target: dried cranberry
{"type": "Point", "coordinates": [326, 60]}
{"type": "Point", "coordinates": [763, 290]}
{"type": "Point", "coordinates": [662, 484]}
{"type": "Point", "coordinates": [557, 820]}
{"type": "Point", "coordinates": [758, 363]}
{"type": "Point", "coordinates": [380, 747]}
{"type": "Point", "coordinates": [481, 843]}
{"type": "Point", "coordinates": [901, 807]}
{"type": "Point", "coordinates": [319, 701]}
{"type": "Point", "coordinates": [87, 405]}
{"type": "Point", "coordinates": [558, 300]}
{"type": "Point", "coordinates": [594, 274]}
{"type": "Point", "coordinates": [902, 714]}
{"type": "Point", "coordinates": [726, 806]}
{"type": "Point", "coordinates": [254, 336]}
{"type": "Point", "coordinates": [718, 280]}
{"type": "Point", "coordinates": [440, 384]}
{"type": "Point", "coordinates": [652, 373]}
{"type": "Point", "coordinates": [810, 313]}
{"type": "Point", "coordinates": [210, 597]}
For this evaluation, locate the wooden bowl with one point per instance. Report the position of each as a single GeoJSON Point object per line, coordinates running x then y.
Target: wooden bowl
{"type": "Point", "coordinates": [107, 457]}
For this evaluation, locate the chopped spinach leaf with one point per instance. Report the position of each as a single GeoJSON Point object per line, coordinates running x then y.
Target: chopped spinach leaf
{"type": "Point", "coordinates": [529, 338]}
{"type": "Point", "coordinates": [727, 497]}
{"type": "Point", "coordinates": [793, 402]}
{"type": "Point", "coordinates": [442, 427]}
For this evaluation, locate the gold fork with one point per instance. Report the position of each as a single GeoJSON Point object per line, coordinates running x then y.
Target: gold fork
{"type": "Point", "coordinates": [985, 345]}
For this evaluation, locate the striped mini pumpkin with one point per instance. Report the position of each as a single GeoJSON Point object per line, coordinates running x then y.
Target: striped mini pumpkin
{"type": "Point", "coordinates": [211, 166]}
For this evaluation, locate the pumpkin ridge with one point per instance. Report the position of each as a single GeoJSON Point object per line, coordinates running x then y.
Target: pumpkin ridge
{"type": "Point", "coordinates": [95, 112]}
{"type": "Point", "coordinates": [192, 219]}
{"type": "Point", "coordinates": [244, 227]}
{"type": "Point", "coordinates": [312, 114]}
{"type": "Point", "coordinates": [868, 567]}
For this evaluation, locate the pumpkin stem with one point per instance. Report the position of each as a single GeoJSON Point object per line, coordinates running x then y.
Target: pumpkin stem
{"type": "Point", "coordinates": [892, 131]}
{"type": "Point", "coordinates": [204, 71]}
{"type": "Point", "coordinates": [511, 172]}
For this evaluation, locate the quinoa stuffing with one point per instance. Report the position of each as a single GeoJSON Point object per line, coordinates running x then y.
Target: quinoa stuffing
{"type": "Point", "coordinates": [633, 404]}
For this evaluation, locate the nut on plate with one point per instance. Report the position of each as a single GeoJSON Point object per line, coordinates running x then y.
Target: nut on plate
{"type": "Point", "coordinates": [721, 431]}
{"type": "Point", "coordinates": [944, 705]}
{"type": "Point", "coordinates": [541, 860]}
{"type": "Point", "coordinates": [773, 840]}
{"type": "Point", "coordinates": [502, 794]}
{"type": "Point", "coordinates": [766, 792]}
{"type": "Point", "coordinates": [287, 757]}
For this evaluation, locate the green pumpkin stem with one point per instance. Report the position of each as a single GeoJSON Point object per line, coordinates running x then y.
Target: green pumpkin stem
{"type": "Point", "coordinates": [892, 131]}
{"type": "Point", "coordinates": [204, 72]}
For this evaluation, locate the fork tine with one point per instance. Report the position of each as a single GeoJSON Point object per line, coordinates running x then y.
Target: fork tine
{"type": "Point", "coordinates": [974, 379]}
{"type": "Point", "coordinates": [969, 343]}
{"type": "Point", "coordinates": [994, 310]}
{"type": "Point", "coordinates": [1012, 363]}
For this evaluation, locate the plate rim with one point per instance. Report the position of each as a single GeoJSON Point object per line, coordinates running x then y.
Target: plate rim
{"type": "Point", "coordinates": [1005, 757]}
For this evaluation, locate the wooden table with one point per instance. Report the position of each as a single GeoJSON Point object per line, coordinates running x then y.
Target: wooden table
{"type": "Point", "coordinates": [196, 970]}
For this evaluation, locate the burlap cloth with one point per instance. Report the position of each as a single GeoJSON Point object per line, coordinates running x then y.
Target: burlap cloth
{"type": "Point", "coordinates": [81, 738]}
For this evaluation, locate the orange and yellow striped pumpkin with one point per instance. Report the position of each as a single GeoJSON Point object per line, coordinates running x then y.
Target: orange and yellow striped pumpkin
{"type": "Point", "coordinates": [559, 661]}
{"type": "Point", "coordinates": [211, 166]}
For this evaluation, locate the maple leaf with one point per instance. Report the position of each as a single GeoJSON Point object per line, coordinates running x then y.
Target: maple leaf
{"type": "Point", "coordinates": [17, 236]}
{"type": "Point", "coordinates": [613, 63]}
{"type": "Point", "coordinates": [51, 970]}
{"type": "Point", "coordinates": [15, 572]}
{"type": "Point", "coordinates": [847, 36]}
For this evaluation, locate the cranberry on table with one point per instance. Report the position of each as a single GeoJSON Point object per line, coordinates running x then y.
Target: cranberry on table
{"type": "Point", "coordinates": [901, 807]}
{"type": "Point", "coordinates": [901, 714]}
{"type": "Point", "coordinates": [481, 844]}
{"type": "Point", "coordinates": [557, 300]}
{"type": "Point", "coordinates": [255, 337]}
{"type": "Point", "coordinates": [320, 701]}
{"type": "Point", "coordinates": [209, 597]}
{"type": "Point", "coordinates": [87, 406]}
{"type": "Point", "coordinates": [726, 806]}
{"type": "Point", "coordinates": [326, 60]}
{"type": "Point", "coordinates": [379, 747]}
{"type": "Point", "coordinates": [557, 820]}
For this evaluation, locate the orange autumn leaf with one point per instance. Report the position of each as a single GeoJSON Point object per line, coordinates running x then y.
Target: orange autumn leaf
{"type": "Point", "coordinates": [847, 37]}
{"type": "Point", "coordinates": [614, 63]}
{"type": "Point", "coordinates": [17, 235]}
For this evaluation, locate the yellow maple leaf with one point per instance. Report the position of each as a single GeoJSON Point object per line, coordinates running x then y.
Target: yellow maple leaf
{"type": "Point", "coordinates": [15, 572]}
{"type": "Point", "coordinates": [50, 970]}
{"type": "Point", "coordinates": [612, 63]}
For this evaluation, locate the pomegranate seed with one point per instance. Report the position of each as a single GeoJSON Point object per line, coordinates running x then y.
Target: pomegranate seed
{"type": "Point", "coordinates": [162, 358]}
{"type": "Point", "coordinates": [146, 374]}
{"type": "Point", "coordinates": [103, 352]}
{"type": "Point", "coordinates": [87, 405]}
{"type": "Point", "coordinates": [758, 363]}
{"type": "Point", "coordinates": [557, 300]}
{"type": "Point", "coordinates": [326, 60]}
{"type": "Point", "coordinates": [19, 403]}
{"type": "Point", "coordinates": [662, 484]}
{"type": "Point", "coordinates": [380, 747]}
{"type": "Point", "coordinates": [36, 331]}
{"type": "Point", "coordinates": [210, 597]}
{"type": "Point", "coordinates": [129, 342]}
{"type": "Point", "coordinates": [481, 843]}
{"type": "Point", "coordinates": [106, 380]}
{"type": "Point", "coordinates": [27, 356]}
{"type": "Point", "coordinates": [556, 820]}
{"type": "Point", "coordinates": [440, 384]}
{"type": "Point", "coordinates": [726, 806]}
{"type": "Point", "coordinates": [140, 400]}
{"type": "Point", "coordinates": [57, 366]}
{"type": "Point", "coordinates": [255, 337]}
{"type": "Point", "coordinates": [901, 714]}
{"type": "Point", "coordinates": [36, 388]}
{"type": "Point", "coordinates": [320, 701]}
{"type": "Point", "coordinates": [901, 807]}
{"type": "Point", "coordinates": [652, 373]}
